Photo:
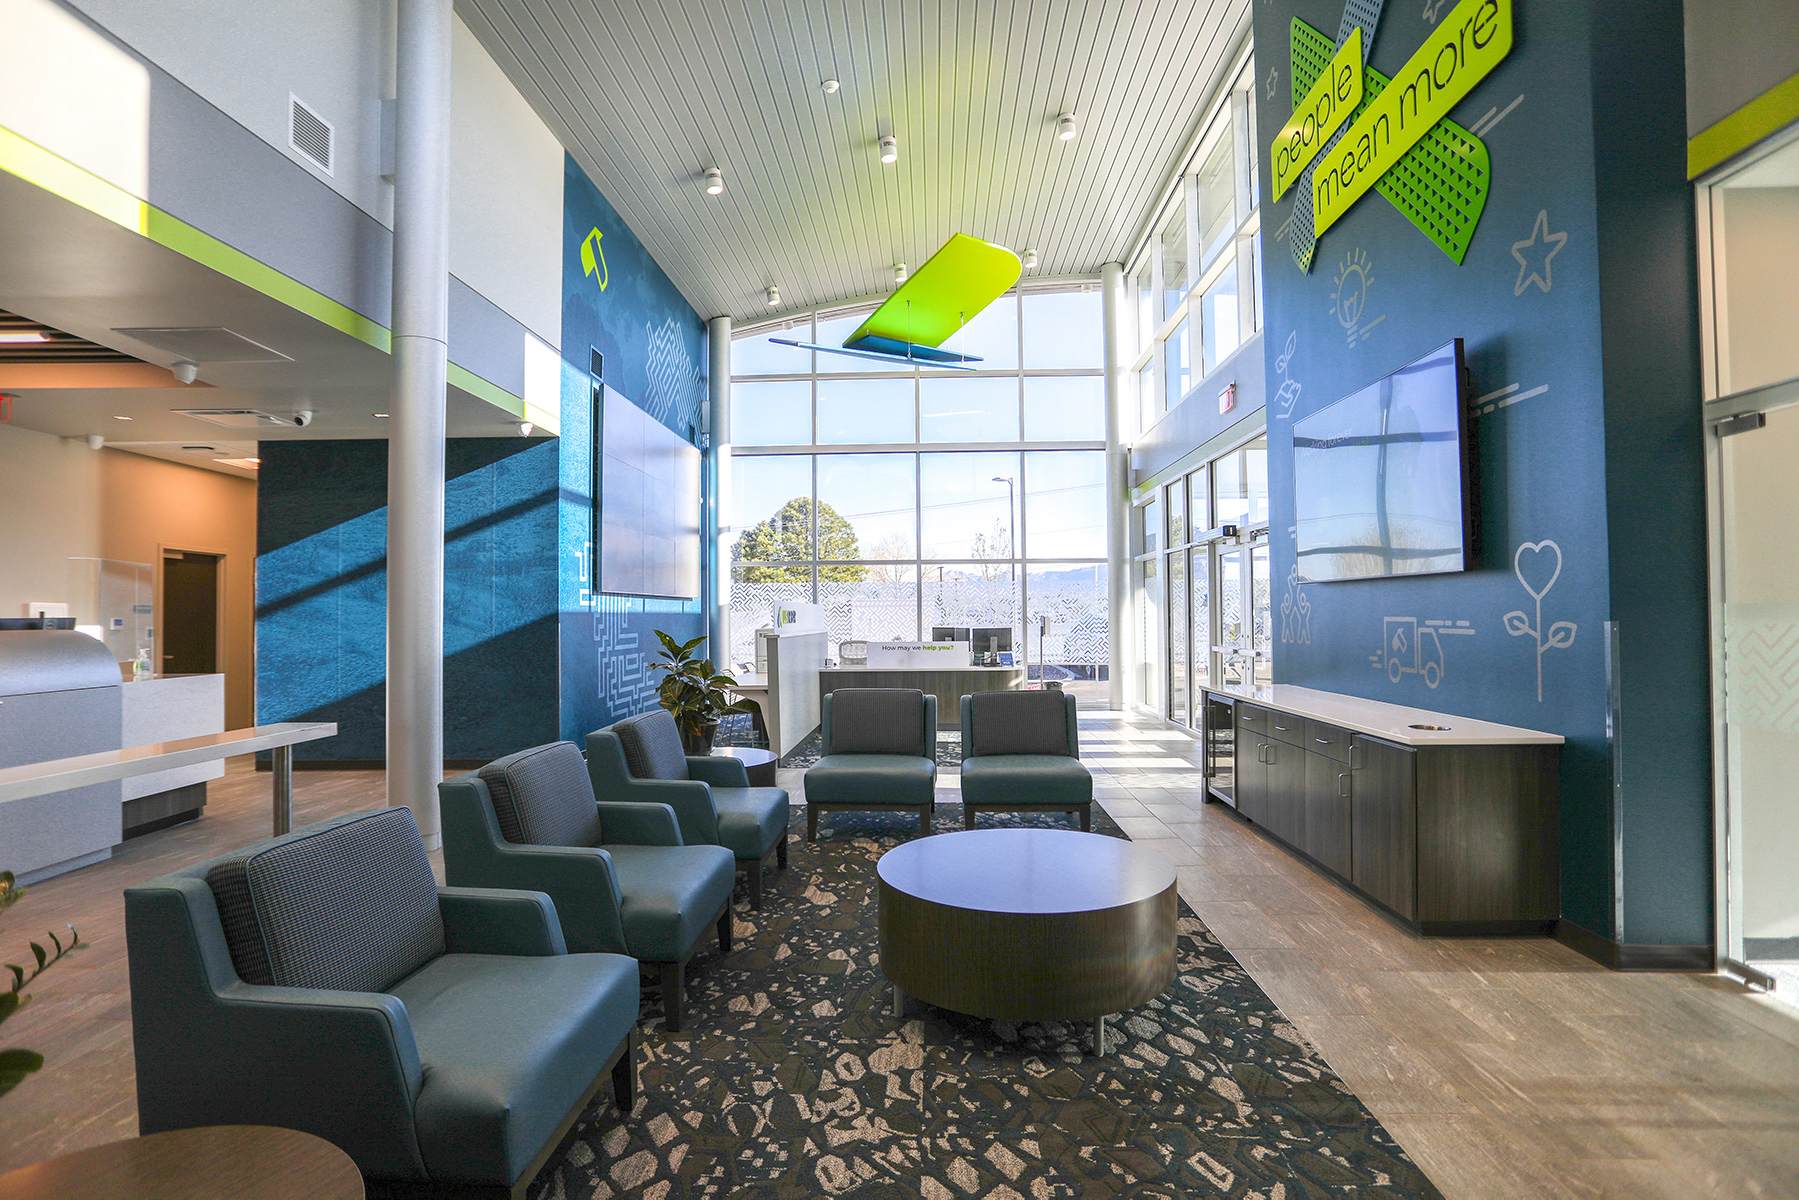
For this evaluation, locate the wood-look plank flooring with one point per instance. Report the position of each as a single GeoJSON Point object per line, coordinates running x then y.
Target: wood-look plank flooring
{"type": "Point", "coordinates": [1505, 1067]}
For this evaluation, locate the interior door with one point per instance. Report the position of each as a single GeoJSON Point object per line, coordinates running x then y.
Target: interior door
{"type": "Point", "coordinates": [190, 613]}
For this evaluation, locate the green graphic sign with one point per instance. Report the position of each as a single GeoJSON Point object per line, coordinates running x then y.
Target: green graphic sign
{"type": "Point", "coordinates": [1332, 100]}
{"type": "Point", "coordinates": [1433, 170]}
{"type": "Point", "coordinates": [590, 249]}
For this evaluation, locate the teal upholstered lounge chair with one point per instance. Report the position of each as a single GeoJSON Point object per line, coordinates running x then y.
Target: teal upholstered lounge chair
{"type": "Point", "coordinates": [322, 981]}
{"type": "Point", "coordinates": [640, 759]}
{"type": "Point", "coordinates": [621, 877]}
{"type": "Point", "coordinates": [1021, 752]}
{"type": "Point", "coordinates": [880, 755]}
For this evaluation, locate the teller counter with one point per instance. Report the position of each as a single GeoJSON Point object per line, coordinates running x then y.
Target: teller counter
{"type": "Point", "coordinates": [948, 684]}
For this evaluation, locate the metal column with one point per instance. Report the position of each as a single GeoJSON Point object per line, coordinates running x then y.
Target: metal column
{"type": "Point", "coordinates": [415, 449]}
{"type": "Point", "coordinates": [1118, 485]}
{"type": "Point", "coordinates": [718, 456]}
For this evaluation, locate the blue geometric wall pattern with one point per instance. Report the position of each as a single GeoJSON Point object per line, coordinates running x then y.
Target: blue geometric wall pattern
{"type": "Point", "coordinates": [618, 302]}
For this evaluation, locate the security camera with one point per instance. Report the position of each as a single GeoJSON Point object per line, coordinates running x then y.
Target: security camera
{"type": "Point", "coordinates": [303, 418]}
{"type": "Point", "coordinates": [525, 428]}
{"type": "Point", "coordinates": [185, 372]}
{"type": "Point", "coordinates": [95, 441]}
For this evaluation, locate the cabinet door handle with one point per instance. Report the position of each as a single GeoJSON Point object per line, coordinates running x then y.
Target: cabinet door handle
{"type": "Point", "coordinates": [1323, 741]}
{"type": "Point", "coordinates": [1270, 759]}
{"type": "Point", "coordinates": [1344, 786]}
{"type": "Point", "coordinates": [1353, 747]}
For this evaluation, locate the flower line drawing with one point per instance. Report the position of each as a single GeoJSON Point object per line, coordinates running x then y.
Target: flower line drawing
{"type": "Point", "coordinates": [1558, 636]}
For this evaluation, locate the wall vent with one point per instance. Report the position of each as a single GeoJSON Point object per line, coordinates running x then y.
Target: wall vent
{"type": "Point", "coordinates": [309, 133]}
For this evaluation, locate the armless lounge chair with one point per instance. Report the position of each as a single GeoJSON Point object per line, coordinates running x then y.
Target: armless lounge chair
{"type": "Point", "coordinates": [640, 759]}
{"type": "Point", "coordinates": [879, 755]}
{"type": "Point", "coordinates": [620, 875]}
{"type": "Point", "coordinates": [322, 981]}
{"type": "Point", "coordinates": [1021, 752]}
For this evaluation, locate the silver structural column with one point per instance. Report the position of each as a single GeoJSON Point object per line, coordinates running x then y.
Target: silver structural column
{"type": "Point", "coordinates": [718, 399]}
{"type": "Point", "coordinates": [1118, 489]}
{"type": "Point", "coordinates": [415, 448]}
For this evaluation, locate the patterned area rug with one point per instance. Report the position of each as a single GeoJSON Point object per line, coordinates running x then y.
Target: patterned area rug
{"type": "Point", "coordinates": [793, 1081]}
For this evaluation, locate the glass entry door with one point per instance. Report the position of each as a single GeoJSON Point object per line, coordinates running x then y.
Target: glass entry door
{"type": "Point", "coordinates": [1749, 218]}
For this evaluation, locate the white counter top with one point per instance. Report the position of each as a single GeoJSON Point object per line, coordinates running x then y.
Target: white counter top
{"type": "Point", "coordinates": [1392, 722]}
{"type": "Point", "coordinates": [859, 669]}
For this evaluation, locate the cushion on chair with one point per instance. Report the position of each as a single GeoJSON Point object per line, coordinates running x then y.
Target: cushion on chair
{"type": "Point", "coordinates": [543, 797]}
{"type": "Point", "coordinates": [652, 745]}
{"type": "Point", "coordinates": [997, 780]}
{"type": "Point", "coordinates": [496, 1085]}
{"type": "Point", "coordinates": [1018, 723]}
{"type": "Point", "coordinates": [351, 907]}
{"type": "Point", "coordinates": [878, 721]}
{"type": "Point", "coordinates": [672, 893]}
{"type": "Point", "coordinates": [872, 779]}
{"type": "Point", "coordinates": [750, 820]}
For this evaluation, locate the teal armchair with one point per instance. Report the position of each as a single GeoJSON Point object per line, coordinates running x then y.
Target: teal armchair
{"type": "Point", "coordinates": [641, 760]}
{"type": "Point", "coordinates": [1021, 752]}
{"type": "Point", "coordinates": [880, 755]}
{"type": "Point", "coordinates": [322, 981]}
{"type": "Point", "coordinates": [622, 878]}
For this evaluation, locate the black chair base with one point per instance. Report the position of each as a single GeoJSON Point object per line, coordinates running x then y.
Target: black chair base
{"type": "Point", "coordinates": [673, 975]}
{"type": "Point", "coordinates": [925, 812]}
{"type": "Point", "coordinates": [1083, 811]}
{"type": "Point", "coordinates": [753, 868]}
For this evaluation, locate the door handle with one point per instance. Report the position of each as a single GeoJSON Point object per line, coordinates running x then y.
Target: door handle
{"type": "Point", "coordinates": [1353, 747]}
{"type": "Point", "coordinates": [1345, 787]}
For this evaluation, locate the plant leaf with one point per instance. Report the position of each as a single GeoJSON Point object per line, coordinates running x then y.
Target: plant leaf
{"type": "Point", "coordinates": [1557, 640]}
{"type": "Point", "coordinates": [37, 952]}
{"type": "Point", "coordinates": [1518, 625]}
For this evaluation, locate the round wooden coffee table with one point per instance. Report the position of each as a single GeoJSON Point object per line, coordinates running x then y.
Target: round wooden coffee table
{"type": "Point", "coordinates": [758, 764]}
{"type": "Point", "coordinates": [244, 1162]}
{"type": "Point", "coordinates": [1027, 924]}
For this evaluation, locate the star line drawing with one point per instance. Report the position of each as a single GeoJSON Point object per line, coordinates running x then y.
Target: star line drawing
{"type": "Point", "coordinates": [1540, 239]}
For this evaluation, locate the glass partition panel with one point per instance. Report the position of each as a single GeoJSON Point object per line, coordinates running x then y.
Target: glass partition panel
{"type": "Point", "coordinates": [866, 506]}
{"type": "Point", "coordinates": [969, 507]}
{"type": "Point", "coordinates": [1075, 648]}
{"type": "Point", "coordinates": [960, 409]}
{"type": "Point", "coordinates": [1065, 503]}
{"type": "Point", "coordinates": [1173, 247]}
{"type": "Point", "coordinates": [1218, 309]}
{"type": "Point", "coordinates": [1217, 201]}
{"type": "Point", "coordinates": [981, 595]}
{"type": "Point", "coordinates": [1063, 330]}
{"type": "Point", "coordinates": [1065, 408]}
{"type": "Point", "coordinates": [755, 591]}
{"type": "Point", "coordinates": [771, 507]}
{"type": "Point", "coordinates": [866, 410]}
{"type": "Point", "coordinates": [777, 413]}
{"type": "Point", "coordinates": [757, 355]}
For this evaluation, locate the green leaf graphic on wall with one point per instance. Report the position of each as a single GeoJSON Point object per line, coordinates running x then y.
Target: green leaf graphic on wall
{"type": "Point", "coordinates": [1440, 184]}
{"type": "Point", "coordinates": [590, 247]}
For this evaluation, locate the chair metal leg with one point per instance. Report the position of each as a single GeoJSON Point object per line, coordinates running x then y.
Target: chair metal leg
{"type": "Point", "coordinates": [673, 979]}
{"type": "Point", "coordinates": [924, 822]}
{"type": "Point", "coordinates": [781, 851]}
{"type": "Point", "coordinates": [624, 1075]}
{"type": "Point", "coordinates": [754, 866]}
{"type": "Point", "coordinates": [967, 815]}
{"type": "Point", "coordinates": [1087, 819]}
{"type": "Point", "coordinates": [811, 823]}
{"type": "Point", "coordinates": [899, 1001]}
{"type": "Point", "coordinates": [724, 931]}
{"type": "Point", "coordinates": [1099, 1035]}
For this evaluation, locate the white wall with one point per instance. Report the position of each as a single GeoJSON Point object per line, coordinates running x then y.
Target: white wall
{"type": "Point", "coordinates": [505, 193]}
{"type": "Point", "coordinates": [335, 55]}
{"type": "Point", "coordinates": [49, 513]}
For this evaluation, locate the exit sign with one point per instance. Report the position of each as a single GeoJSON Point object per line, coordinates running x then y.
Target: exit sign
{"type": "Point", "coordinates": [1227, 399]}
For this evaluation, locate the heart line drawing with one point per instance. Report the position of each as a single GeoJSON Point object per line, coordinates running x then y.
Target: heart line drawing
{"type": "Point", "coordinates": [1558, 636]}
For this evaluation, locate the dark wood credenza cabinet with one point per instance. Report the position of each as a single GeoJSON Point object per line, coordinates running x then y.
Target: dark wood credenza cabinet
{"type": "Point", "coordinates": [1448, 823]}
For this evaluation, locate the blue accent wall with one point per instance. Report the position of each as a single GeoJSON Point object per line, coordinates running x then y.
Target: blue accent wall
{"type": "Point", "coordinates": [654, 350]}
{"type": "Point", "coordinates": [1586, 432]}
{"type": "Point", "coordinates": [321, 589]}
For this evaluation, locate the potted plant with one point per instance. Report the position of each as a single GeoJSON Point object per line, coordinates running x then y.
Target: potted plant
{"type": "Point", "coordinates": [15, 1063]}
{"type": "Point", "coordinates": [695, 693]}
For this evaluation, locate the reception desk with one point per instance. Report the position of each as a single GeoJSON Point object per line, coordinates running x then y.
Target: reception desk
{"type": "Point", "coordinates": [948, 684]}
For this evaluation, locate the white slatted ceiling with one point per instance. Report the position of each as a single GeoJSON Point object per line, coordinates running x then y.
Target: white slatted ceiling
{"type": "Point", "coordinates": [647, 94]}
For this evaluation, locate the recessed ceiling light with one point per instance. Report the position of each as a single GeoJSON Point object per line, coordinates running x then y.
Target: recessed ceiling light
{"type": "Point", "coordinates": [1066, 129]}
{"type": "Point", "coordinates": [715, 181]}
{"type": "Point", "coordinates": [18, 337]}
{"type": "Point", "coordinates": [889, 149]}
{"type": "Point", "coordinates": [1030, 259]}
{"type": "Point", "coordinates": [774, 296]}
{"type": "Point", "coordinates": [830, 86]}
{"type": "Point", "coordinates": [383, 416]}
{"type": "Point", "coordinates": [117, 417]}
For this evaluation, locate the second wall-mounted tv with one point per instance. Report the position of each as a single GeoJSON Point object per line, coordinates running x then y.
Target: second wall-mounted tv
{"type": "Point", "coordinates": [1381, 477]}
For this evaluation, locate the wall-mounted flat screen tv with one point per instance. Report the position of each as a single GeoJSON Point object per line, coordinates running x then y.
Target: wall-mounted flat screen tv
{"type": "Point", "coordinates": [1380, 478]}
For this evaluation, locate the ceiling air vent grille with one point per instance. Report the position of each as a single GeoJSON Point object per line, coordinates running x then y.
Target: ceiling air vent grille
{"type": "Point", "coordinates": [309, 133]}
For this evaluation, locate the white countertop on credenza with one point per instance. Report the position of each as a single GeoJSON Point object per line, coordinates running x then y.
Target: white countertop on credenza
{"type": "Point", "coordinates": [1391, 722]}
{"type": "Point", "coordinates": [860, 669]}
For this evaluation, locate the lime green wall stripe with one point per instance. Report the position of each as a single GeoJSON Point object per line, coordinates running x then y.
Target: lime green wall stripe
{"type": "Point", "coordinates": [1766, 114]}
{"type": "Point", "coordinates": [37, 166]}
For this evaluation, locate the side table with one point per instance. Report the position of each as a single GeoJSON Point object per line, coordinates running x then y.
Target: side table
{"type": "Point", "coordinates": [244, 1162]}
{"type": "Point", "coordinates": [758, 764]}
